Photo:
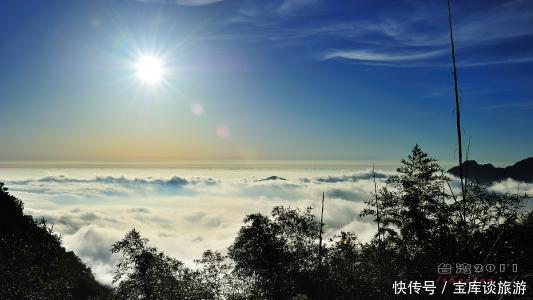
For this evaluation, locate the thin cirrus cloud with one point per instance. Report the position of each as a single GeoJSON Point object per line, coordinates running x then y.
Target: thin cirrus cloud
{"type": "Point", "coordinates": [427, 27]}
{"type": "Point", "coordinates": [197, 2]}
{"type": "Point", "coordinates": [368, 55]}
{"type": "Point", "coordinates": [484, 26]}
{"type": "Point", "coordinates": [182, 2]}
{"type": "Point", "coordinates": [495, 25]}
{"type": "Point", "coordinates": [512, 105]}
{"type": "Point", "coordinates": [291, 6]}
{"type": "Point", "coordinates": [257, 12]}
{"type": "Point", "coordinates": [366, 38]}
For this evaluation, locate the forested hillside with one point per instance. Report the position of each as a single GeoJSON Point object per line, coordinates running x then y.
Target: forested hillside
{"type": "Point", "coordinates": [34, 264]}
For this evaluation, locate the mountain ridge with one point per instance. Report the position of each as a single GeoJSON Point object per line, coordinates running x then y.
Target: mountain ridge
{"type": "Point", "coordinates": [488, 173]}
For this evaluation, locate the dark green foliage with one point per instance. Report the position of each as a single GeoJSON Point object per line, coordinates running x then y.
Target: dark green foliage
{"type": "Point", "coordinates": [414, 213]}
{"type": "Point", "coordinates": [278, 255]}
{"type": "Point", "coordinates": [146, 273]}
{"type": "Point", "coordinates": [425, 223]}
{"type": "Point", "coordinates": [213, 275]}
{"type": "Point", "coordinates": [34, 265]}
{"type": "Point", "coordinates": [343, 268]}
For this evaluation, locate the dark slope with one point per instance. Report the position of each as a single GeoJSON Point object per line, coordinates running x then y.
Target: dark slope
{"type": "Point", "coordinates": [34, 265]}
{"type": "Point", "coordinates": [271, 178]}
{"type": "Point", "coordinates": [487, 173]}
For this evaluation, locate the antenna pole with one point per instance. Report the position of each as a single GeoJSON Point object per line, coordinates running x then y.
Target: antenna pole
{"type": "Point", "coordinates": [457, 109]}
{"type": "Point", "coordinates": [377, 219]}
{"type": "Point", "coordinates": [320, 273]}
{"type": "Point", "coordinates": [321, 231]}
{"type": "Point", "coordinates": [377, 204]}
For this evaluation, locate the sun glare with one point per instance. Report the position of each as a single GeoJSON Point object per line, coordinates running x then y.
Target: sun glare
{"type": "Point", "coordinates": [150, 69]}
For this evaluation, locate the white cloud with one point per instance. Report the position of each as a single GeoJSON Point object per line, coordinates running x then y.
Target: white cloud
{"type": "Point", "coordinates": [370, 55]}
{"type": "Point", "coordinates": [290, 6]}
{"type": "Point", "coordinates": [92, 244]}
{"type": "Point", "coordinates": [185, 215]}
{"type": "Point", "coordinates": [197, 2]}
{"type": "Point", "coordinates": [513, 186]}
{"type": "Point", "coordinates": [182, 2]}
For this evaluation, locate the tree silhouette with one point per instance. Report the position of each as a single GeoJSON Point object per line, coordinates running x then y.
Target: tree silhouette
{"type": "Point", "coordinates": [33, 264]}
{"type": "Point", "coordinates": [213, 274]}
{"type": "Point", "coordinates": [425, 223]}
{"type": "Point", "coordinates": [145, 273]}
{"type": "Point", "coordinates": [279, 255]}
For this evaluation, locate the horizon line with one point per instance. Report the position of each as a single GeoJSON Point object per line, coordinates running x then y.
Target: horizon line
{"type": "Point", "coordinates": [227, 163]}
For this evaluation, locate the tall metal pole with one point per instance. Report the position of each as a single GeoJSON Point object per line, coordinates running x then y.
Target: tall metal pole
{"type": "Point", "coordinates": [320, 273]}
{"type": "Point", "coordinates": [321, 225]}
{"type": "Point", "coordinates": [379, 230]}
{"type": "Point", "coordinates": [377, 204]}
{"type": "Point", "coordinates": [457, 110]}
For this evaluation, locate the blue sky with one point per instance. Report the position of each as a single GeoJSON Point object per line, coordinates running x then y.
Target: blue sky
{"type": "Point", "coordinates": [288, 79]}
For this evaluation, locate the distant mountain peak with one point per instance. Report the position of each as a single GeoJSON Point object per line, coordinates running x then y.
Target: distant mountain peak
{"type": "Point", "coordinates": [488, 173]}
{"type": "Point", "coordinates": [271, 178]}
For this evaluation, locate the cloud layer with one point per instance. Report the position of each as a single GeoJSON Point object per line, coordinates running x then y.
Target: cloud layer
{"type": "Point", "coordinates": [185, 215]}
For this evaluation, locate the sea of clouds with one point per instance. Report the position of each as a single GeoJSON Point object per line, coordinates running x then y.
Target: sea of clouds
{"type": "Point", "coordinates": [185, 215]}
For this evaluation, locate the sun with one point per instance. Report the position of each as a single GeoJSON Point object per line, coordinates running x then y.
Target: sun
{"type": "Point", "coordinates": [150, 69]}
